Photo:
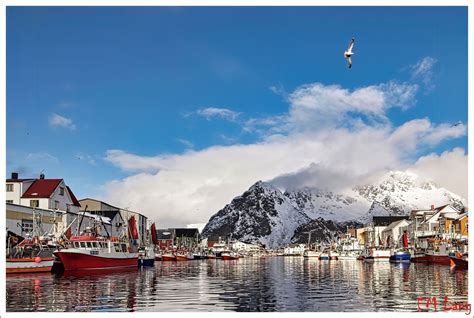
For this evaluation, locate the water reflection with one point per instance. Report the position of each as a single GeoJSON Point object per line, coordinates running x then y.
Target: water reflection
{"type": "Point", "coordinates": [251, 284]}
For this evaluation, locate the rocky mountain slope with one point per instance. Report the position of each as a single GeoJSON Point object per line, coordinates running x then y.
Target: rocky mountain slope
{"type": "Point", "coordinates": [266, 215]}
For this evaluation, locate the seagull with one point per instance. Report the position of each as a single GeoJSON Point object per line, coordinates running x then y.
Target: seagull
{"type": "Point", "coordinates": [348, 53]}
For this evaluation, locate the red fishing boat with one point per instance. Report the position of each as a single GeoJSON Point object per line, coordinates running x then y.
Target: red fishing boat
{"type": "Point", "coordinates": [168, 257]}
{"type": "Point", "coordinates": [181, 257]}
{"type": "Point", "coordinates": [229, 256]}
{"type": "Point", "coordinates": [91, 251]}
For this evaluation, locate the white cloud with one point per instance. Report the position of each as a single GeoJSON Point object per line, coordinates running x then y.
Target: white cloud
{"type": "Point", "coordinates": [56, 120]}
{"type": "Point", "coordinates": [448, 170]}
{"type": "Point", "coordinates": [423, 70]}
{"type": "Point", "coordinates": [188, 188]}
{"type": "Point", "coordinates": [319, 142]}
{"type": "Point", "coordinates": [41, 156]}
{"type": "Point", "coordinates": [185, 142]}
{"type": "Point", "coordinates": [212, 112]}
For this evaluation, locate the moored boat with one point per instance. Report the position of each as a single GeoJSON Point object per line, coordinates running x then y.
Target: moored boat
{"type": "Point", "coordinates": [88, 252]}
{"type": "Point", "coordinates": [229, 256]}
{"type": "Point", "coordinates": [323, 256]}
{"type": "Point", "coordinates": [146, 256]}
{"type": "Point", "coordinates": [167, 257]}
{"type": "Point", "coordinates": [181, 257]}
{"type": "Point", "coordinates": [309, 253]}
{"type": "Point", "coordinates": [29, 265]}
{"type": "Point", "coordinates": [375, 255]}
{"type": "Point", "coordinates": [333, 255]}
{"type": "Point", "coordinates": [400, 257]}
{"type": "Point", "coordinates": [459, 261]}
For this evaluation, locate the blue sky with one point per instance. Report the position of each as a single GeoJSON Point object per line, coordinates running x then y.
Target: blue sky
{"type": "Point", "coordinates": [83, 81]}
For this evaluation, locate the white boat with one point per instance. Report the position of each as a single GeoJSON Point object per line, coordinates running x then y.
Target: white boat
{"type": "Point", "coordinates": [333, 255]}
{"type": "Point", "coordinates": [309, 253]}
{"type": "Point", "coordinates": [348, 255]}
{"type": "Point", "coordinates": [375, 255]}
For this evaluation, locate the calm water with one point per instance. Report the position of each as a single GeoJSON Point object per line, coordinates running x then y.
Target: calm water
{"type": "Point", "coordinates": [250, 284]}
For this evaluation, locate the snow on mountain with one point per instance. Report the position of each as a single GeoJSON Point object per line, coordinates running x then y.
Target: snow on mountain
{"type": "Point", "coordinates": [266, 215]}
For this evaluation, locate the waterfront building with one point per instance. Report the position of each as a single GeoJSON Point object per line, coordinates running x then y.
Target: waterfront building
{"type": "Point", "coordinates": [429, 223]}
{"type": "Point", "coordinates": [119, 216]}
{"type": "Point", "coordinates": [20, 220]}
{"type": "Point", "coordinates": [246, 247]}
{"type": "Point", "coordinates": [165, 239]}
{"type": "Point", "coordinates": [392, 234]}
{"type": "Point", "coordinates": [46, 194]}
{"type": "Point", "coordinates": [294, 249]}
{"type": "Point", "coordinates": [372, 234]}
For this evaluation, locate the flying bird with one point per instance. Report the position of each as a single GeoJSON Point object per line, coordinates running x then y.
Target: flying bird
{"type": "Point", "coordinates": [348, 53]}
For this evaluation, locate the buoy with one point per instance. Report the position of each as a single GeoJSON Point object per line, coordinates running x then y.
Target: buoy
{"type": "Point", "coordinates": [37, 259]}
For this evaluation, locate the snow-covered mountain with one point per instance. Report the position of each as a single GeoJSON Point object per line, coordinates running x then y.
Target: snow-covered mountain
{"type": "Point", "coordinates": [266, 215]}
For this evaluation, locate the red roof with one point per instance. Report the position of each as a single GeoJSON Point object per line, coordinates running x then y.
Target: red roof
{"type": "Point", "coordinates": [73, 197]}
{"type": "Point", "coordinates": [42, 188]}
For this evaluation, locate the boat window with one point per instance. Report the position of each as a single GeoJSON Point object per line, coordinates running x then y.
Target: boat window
{"type": "Point", "coordinates": [89, 244]}
{"type": "Point", "coordinates": [124, 247]}
{"type": "Point", "coordinates": [94, 244]}
{"type": "Point", "coordinates": [83, 244]}
{"type": "Point", "coordinates": [117, 247]}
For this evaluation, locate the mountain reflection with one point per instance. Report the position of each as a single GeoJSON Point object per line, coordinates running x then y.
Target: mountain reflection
{"type": "Point", "coordinates": [250, 284]}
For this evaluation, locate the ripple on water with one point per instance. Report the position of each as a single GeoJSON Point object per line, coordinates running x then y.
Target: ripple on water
{"type": "Point", "coordinates": [269, 284]}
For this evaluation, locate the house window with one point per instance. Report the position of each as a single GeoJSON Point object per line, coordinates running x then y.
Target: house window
{"type": "Point", "coordinates": [56, 205]}
{"type": "Point", "coordinates": [9, 201]}
{"type": "Point", "coordinates": [26, 226]}
{"type": "Point", "coordinates": [9, 187]}
{"type": "Point", "coordinates": [34, 203]}
{"type": "Point", "coordinates": [61, 191]}
{"type": "Point", "coordinates": [68, 207]}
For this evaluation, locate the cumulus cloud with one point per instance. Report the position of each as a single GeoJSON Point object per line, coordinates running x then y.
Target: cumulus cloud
{"type": "Point", "coordinates": [213, 112]}
{"type": "Point", "coordinates": [189, 188]}
{"type": "Point", "coordinates": [310, 145]}
{"type": "Point", "coordinates": [448, 169]}
{"type": "Point", "coordinates": [56, 120]}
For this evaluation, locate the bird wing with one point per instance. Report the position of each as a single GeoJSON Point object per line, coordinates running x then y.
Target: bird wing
{"type": "Point", "coordinates": [349, 61]}
{"type": "Point", "coordinates": [351, 45]}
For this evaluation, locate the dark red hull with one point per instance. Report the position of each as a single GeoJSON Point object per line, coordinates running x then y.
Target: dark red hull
{"type": "Point", "coordinates": [167, 258]}
{"type": "Point", "coordinates": [181, 258]}
{"type": "Point", "coordinates": [459, 263]}
{"type": "Point", "coordinates": [79, 261]}
{"type": "Point", "coordinates": [419, 259]}
{"type": "Point", "coordinates": [438, 259]}
{"type": "Point", "coordinates": [229, 258]}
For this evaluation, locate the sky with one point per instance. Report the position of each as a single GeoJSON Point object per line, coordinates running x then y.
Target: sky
{"type": "Point", "coordinates": [173, 111]}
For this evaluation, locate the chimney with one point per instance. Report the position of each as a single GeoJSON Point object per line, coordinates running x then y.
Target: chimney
{"type": "Point", "coordinates": [432, 207]}
{"type": "Point", "coordinates": [15, 175]}
{"type": "Point", "coordinates": [42, 176]}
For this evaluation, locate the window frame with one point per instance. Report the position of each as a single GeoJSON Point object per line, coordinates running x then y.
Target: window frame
{"type": "Point", "coordinates": [9, 186]}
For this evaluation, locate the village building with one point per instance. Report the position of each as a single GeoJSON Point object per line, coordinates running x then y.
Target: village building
{"type": "Point", "coordinates": [392, 234]}
{"type": "Point", "coordinates": [119, 217]}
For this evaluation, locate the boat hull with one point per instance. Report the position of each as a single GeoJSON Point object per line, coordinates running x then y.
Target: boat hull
{"type": "Point", "coordinates": [229, 257]}
{"type": "Point", "coordinates": [29, 265]}
{"type": "Point", "coordinates": [400, 258]}
{"type": "Point", "coordinates": [181, 258]}
{"type": "Point", "coordinates": [80, 261]}
{"type": "Point", "coordinates": [438, 259]}
{"type": "Point", "coordinates": [419, 258]}
{"type": "Point", "coordinates": [458, 263]}
{"type": "Point", "coordinates": [143, 262]}
{"type": "Point", "coordinates": [168, 258]}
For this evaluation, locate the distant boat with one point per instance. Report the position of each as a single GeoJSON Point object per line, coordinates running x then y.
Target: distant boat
{"type": "Point", "coordinates": [333, 255]}
{"type": "Point", "coordinates": [168, 257]}
{"type": "Point", "coordinates": [309, 253]}
{"type": "Point", "coordinates": [229, 256]}
{"type": "Point", "coordinates": [181, 257]}
{"type": "Point", "coordinates": [375, 255]}
{"type": "Point", "coordinates": [324, 256]}
{"type": "Point", "coordinates": [146, 256]}
{"type": "Point", "coordinates": [400, 257]}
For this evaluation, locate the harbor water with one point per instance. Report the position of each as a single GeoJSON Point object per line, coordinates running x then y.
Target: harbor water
{"type": "Point", "coordinates": [249, 284]}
